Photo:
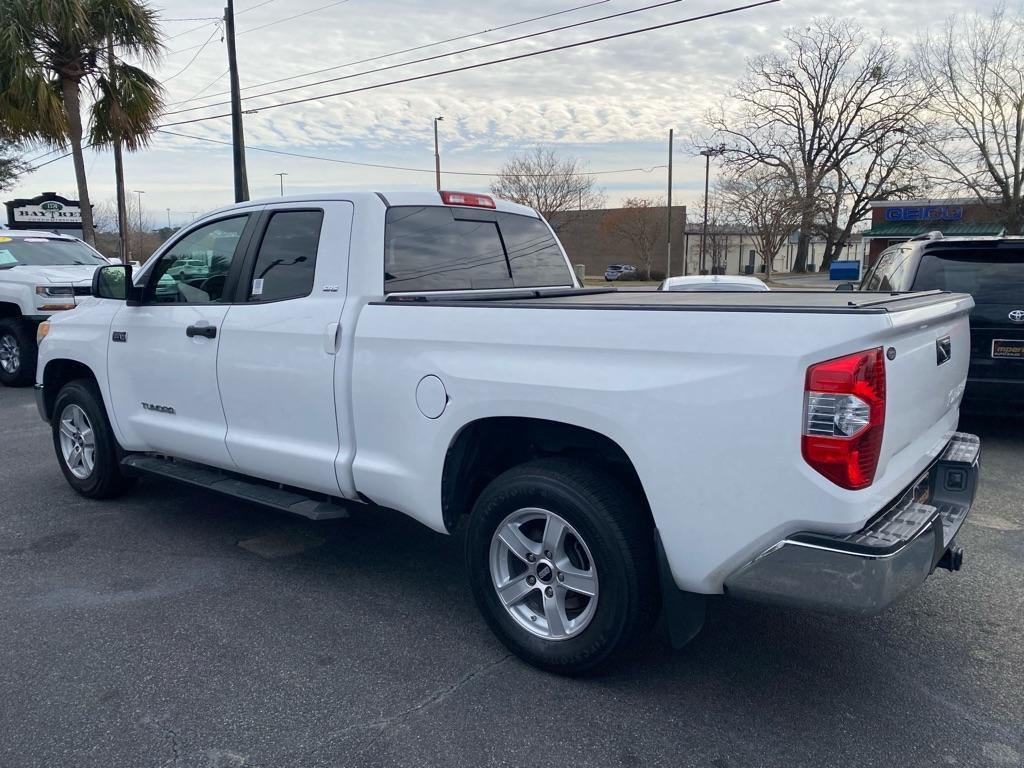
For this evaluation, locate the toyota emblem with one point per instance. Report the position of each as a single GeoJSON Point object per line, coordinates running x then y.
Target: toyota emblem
{"type": "Point", "coordinates": [1017, 316]}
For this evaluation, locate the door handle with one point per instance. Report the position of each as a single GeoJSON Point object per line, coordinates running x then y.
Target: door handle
{"type": "Point", "coordinates": [209, 331]}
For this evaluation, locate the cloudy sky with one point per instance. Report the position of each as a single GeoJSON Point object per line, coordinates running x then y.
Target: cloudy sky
{"type": "Point", "coordinates": [610, 104]}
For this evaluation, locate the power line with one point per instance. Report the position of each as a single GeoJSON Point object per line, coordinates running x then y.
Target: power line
{"type": "Point", "coordinates": [478, 65]}
{"type": "Point", "coordinates": [212, 20]}
{"type": "Point", "coordinates": [196, 56]}
{"type": "Point", "coordinates": [440, 55]}
{"type": "Point", "coordinates": [268, 24]}
{"type": "Point", "coordinates": [398, 167]}
{"type": "Point", "coordinates": [407, 50]}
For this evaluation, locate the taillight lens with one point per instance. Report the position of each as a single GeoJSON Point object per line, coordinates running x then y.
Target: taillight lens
{"type": "Point", "coordinates": [844, 415]}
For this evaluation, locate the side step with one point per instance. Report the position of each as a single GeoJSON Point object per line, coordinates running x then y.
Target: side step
{"type": "Point", "coordinates": [234, 485]}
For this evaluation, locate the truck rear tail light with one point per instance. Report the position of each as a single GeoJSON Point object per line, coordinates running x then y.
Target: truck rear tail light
{"type": "Point", "coordinates": [468, 198]}
{"type": "Point", "coordinates": [844, 416]}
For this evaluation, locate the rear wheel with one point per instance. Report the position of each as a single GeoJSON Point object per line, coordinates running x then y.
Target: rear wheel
{"type": "Point", "coordinates": [17, 353]}
{"type": "Point", "coordinates": [561, 565]}
{"type": "Point", "coordinates": [84, 442]}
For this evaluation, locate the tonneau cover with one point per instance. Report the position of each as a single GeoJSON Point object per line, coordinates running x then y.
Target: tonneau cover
{"type": "Point", "coordinates": [713, 301]}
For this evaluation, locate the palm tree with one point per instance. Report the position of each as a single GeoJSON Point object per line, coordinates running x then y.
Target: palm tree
{"type": "Point", "coordinates": [50, 50]}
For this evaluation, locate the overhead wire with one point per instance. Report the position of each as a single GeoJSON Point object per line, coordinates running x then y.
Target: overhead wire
{"type": "Point", "coordinates": [408, 50]}
{"type": "Point", "coordinates": [436, 56]}
{"type": "Point", "coordinates": [492, 62]}
{"type": "Point", "coordinates": [385, 166]}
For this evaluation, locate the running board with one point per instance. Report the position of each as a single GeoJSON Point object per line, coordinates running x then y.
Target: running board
{"type": "Point", "coordinates": [234, 485]}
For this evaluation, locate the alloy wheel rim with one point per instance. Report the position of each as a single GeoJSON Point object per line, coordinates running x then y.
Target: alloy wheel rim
{"type": "Point", "coordinates": [77, 441]}
{"type": "Point", "coordinates": [543, 573]}
{"type": "Point", "coordinates": [10, 354]}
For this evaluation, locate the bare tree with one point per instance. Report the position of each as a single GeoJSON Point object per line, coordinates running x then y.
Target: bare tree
{"type": "Point", "coordinates": [761, 200]}
{"type": "Point", "coordinates": [142, 238]}
{"type": "Point", "coordinates": [808, 111]}
{"type": "Point", "coordinates": [974, 74]}
{"type": "Point", "coordinates": [640, 222]}
{"type": "Point", "coordinates": [892, 169]}
{"type": "Point", "coordinates": [552, 185]}
{"type": "Point", "coordinates": [715, 253]}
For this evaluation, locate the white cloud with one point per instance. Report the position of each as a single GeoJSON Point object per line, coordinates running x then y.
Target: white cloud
{"type": "Point", "coordinates": [610, 104]}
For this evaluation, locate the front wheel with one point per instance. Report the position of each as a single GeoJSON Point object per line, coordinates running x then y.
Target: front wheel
{"type": "Point", "coordinates": [17, 352]}
{"type": "Point", "coordinates": [561, 564]}
{"type": "Point", "coordinates": [86, 448]}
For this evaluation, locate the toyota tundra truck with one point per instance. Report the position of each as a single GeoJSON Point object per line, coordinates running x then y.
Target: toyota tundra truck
{"type": "Point", "coordinates": [611, 454]}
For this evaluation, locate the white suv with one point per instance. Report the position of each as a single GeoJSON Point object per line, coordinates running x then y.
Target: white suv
{"type": "Point", "coordinates": [40, 273]}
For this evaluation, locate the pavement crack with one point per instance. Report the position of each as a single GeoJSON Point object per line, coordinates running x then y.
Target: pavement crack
{"type": "Point", "coordinates": [386, 724]}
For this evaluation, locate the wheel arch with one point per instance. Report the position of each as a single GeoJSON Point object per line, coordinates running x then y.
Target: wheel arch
{"type": "Point", "coordinates": [9, 309]}
{"type": "Point", "coordinates": [59, 372]}
{"type": "Point", "coordinates": [483, 449]}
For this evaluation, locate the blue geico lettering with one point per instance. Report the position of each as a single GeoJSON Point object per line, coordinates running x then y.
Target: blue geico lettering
{"type": "Point", "coordinates": [925, 213]}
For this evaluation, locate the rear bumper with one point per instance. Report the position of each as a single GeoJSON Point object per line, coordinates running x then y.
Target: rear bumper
{"type": "Point", "coordinates": [865, 572]}
{"type": "Point", "coordinates": [994, 390]}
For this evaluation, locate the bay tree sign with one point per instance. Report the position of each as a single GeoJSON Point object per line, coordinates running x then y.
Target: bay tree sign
{"type": "Point", "coordinates": [46, 211]}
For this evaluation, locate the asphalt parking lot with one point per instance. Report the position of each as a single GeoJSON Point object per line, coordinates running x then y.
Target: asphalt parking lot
{"type": "Point", "coordinates": [174, 628]}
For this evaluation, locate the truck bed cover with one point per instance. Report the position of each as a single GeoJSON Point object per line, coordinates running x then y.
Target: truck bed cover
{"type": "Point", "coordinates": [830, 302]}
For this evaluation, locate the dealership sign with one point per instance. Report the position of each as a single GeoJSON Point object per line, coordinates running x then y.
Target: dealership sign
{"type": "Point", "coordinates": [47, 211]}
{"type": "Point", "coordinates": [925, 213]}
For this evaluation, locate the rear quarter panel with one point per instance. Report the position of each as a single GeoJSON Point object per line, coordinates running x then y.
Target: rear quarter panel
{"type": "Point", "coordinates": [707, 405]}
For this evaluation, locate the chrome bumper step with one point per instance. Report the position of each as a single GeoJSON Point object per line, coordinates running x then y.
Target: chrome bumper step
{"type": "Point", "coordinates": [866, 571]}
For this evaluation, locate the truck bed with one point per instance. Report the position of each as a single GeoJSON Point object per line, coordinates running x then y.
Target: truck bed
{"type": "Point", "coordinates": [810, 302]}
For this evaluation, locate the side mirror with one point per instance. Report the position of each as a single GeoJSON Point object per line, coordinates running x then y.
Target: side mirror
{"type": "Point", "coordinates": [114, 282]}
{"type": "Point", "coordinates": [846, 287]}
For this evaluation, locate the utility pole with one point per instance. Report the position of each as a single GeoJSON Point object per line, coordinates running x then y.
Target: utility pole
{"type": "Point", "coordinates": [708, 153]}
{"type": "Point", "coordinates": [168, 218]}
{"type": "Point", "coordinates": [122, 203]}
{"type": "Point", "coordinates": [668, 261]}
{"type": "Point", "coordinates": [237, 134]}
{"type": "Point", "coordinates": [280, 177]}
{"type": "Point", "coordinates": [437, 155]}
{"type": "Point", "coordinates": [140, 193]}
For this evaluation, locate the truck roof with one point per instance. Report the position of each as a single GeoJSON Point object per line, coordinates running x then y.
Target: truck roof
{"type": "Point", "coordinates": [390, 199]}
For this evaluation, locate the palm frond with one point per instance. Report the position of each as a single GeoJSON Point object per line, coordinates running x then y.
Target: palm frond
{"type": "Point", "coordinates": [127, 108]}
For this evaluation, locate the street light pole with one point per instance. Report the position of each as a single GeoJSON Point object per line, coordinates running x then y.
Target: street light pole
{"type": "Point", "coordinates": [437, 155]}
{"type": "Point", "coordinates": [281, 177]}
{"type": "Point", "coordinates": [708, 153]}
{"type": "Point", "coordinates": [668, 255]}
{"type": "Point", "coordinates": [168, 218]}
{"type": "Point", "coordinates": [140, 193]}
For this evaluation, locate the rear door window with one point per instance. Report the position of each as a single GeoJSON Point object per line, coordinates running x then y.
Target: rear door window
{"type": "Point", "coordinates": [436, 248]}
{"type": "Point", "coordinates": [890, 273]}
{"type": "Point", "coordinates": [286, 260]}
{"type": "Point", "coordinates": [991, 278]}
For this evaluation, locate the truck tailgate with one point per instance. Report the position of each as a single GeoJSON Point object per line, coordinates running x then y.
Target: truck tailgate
{"type": "Point", "coordinates": [928, 352]}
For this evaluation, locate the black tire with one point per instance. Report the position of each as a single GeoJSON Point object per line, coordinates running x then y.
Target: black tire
{"type": "Point", "coordinates": [19, 334]}
{"type": "Point", "coordinates": [616, 530]}
{"type": "Point", "coordinates": [105, 480]}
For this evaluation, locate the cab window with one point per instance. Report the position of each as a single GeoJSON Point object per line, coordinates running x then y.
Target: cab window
{"type": "Point", "coordinates": [195, 269]}
{"type": "Point", "coordinates": [286, 260]}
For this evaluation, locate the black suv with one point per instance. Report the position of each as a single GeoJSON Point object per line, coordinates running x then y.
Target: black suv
{"type": "Point", "coordinates": [991, 269]}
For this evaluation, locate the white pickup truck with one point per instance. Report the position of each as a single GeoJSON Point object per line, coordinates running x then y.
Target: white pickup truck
{"type": "Point", "coordinates": [613, 453]}
{"type": "Point", "coordinates": [40, 273]}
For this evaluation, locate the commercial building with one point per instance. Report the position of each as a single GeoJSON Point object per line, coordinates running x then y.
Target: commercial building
{"type": "Point", "coordinates": [895, 221]}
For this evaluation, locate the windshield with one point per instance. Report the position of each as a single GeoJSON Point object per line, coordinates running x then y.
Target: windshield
{"type": "Point", "coordinates": [990, 278]}
{"type": "Point", "coordinates": [45, 252]}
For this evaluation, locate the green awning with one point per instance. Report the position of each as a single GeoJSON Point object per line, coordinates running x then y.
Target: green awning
{"type": "Point", "coordinates": [897, 229]}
